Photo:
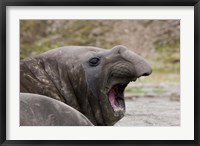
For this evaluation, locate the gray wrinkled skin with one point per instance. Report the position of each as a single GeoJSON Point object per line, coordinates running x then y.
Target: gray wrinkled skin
{"type": "Point", "coordinates": [65, 74]}
{"type": "Point", "coordinates": [39, 110]}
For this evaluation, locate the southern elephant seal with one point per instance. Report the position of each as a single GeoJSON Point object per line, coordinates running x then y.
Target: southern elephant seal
{"type": "Point", "coordinates": [89, 79]}
{"type": "Point", "coordinates": [39, 110]}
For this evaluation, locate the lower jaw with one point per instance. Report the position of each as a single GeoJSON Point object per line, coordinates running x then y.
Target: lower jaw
{"type": "Point", "coordinates": [114, 115]}
{"type": "Point", "coordinates": [119, 111]}
{"type": "Point", "coordinates": [114, 118]}
{"type": "Point", "coordinates": [118, 108]}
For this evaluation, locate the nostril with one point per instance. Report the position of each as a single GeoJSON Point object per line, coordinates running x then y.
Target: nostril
{"type": "Point", "coordinates": [145, 74]}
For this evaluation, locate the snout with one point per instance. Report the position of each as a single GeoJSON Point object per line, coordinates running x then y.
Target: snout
{"type": "Point", "coordinates": [140, 66]}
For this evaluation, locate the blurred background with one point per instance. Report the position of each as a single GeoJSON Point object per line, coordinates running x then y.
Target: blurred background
{"type": "Point", "coordinates": [150, 101]}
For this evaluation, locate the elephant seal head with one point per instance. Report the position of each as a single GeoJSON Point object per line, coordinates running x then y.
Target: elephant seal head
{"type": "Point", "coordinates": [91, 80]}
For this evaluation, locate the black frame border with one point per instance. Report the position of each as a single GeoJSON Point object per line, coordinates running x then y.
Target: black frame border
{"type": "Point", "coordinates": [5, 3]}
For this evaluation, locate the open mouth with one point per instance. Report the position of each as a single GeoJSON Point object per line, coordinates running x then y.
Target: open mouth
{"type": "Point", "coordinates": [116, 97]}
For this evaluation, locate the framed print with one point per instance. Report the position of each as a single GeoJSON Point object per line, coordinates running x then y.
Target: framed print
{"type": "Point", "coordinates": [103, 72]}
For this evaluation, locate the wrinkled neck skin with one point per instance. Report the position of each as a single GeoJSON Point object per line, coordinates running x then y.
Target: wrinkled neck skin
{"type": "Point", "coordinates": [63, 78]}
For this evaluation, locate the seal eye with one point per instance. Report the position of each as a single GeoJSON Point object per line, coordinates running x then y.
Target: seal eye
{"type": "Point", "coordinates": [94, 61]}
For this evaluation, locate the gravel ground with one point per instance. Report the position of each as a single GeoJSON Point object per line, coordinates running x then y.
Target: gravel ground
{"type": "Point", "coordinates": [153, 110]}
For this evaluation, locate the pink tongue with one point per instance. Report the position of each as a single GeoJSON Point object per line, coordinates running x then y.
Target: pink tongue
{"type": "Point", "coordinates": [112, 99]}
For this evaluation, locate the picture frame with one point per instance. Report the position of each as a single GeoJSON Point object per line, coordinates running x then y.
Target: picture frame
{"type": "Point", "coordinates": [102, 3]}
